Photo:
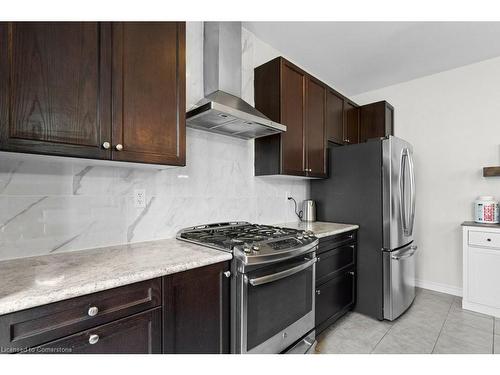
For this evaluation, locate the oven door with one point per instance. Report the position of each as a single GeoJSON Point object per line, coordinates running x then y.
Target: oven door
{"type": "Point", "coordinates": [277, 305]}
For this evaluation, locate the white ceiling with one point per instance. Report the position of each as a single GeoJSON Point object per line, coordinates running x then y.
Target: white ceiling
{"type": "Point", "coordinates": [356, 57]}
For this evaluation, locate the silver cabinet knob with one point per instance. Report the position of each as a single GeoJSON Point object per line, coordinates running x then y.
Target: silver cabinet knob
{"type": "Point", "coordinates": [93, 310]}
{"type": "Point", "coordinates": [318, 259]}
{"type": "Point", "coordinates": [227, 273]}
{"type": "Point", "coordinates": [119, 147]}
{"type": "Point", "coordinates": [351, 273]}
{"type": "Point", "coordinates": [93, 339]}
{"type": "Point", "coordinates": [318, 292]}
{"type": "Point", "coordinates": [106, 145]}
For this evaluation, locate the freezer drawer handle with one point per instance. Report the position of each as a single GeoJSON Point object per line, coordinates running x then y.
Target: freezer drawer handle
{"type": "Point", "coordinates": [413, 250]}
{"type": "Point", "coordinates": [281, 275]}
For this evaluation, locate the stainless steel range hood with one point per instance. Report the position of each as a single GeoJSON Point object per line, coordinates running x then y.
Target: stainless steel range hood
{"type": "Point", "coordinates": [222, 110]}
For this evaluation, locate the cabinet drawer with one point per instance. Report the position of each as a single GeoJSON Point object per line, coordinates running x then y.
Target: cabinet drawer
{"type": "Point", "coordinates": [333, 261]}
{"type": "Point", "coordinates": [137, 334]}
{"type": "Point", "coordinates": [485, 239]}
{"type": "Point", "coordinates": [36, 326]}
{"type": "Point", "coordinates": [334, 297]}
{"type": "Point", "coordinates": [331, 242]}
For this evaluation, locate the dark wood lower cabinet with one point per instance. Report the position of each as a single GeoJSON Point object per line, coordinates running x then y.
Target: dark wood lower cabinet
{"type": "Point", "coordinates": [333, 299]}
{"type": "Point", "coordinates": [137, 334]}
{"type": "Point", "coordinates": [335, 278]}
{"type": "Point", "coordinates": [186, 312]}
{"type": "Point", "coordinates": [196, 311]}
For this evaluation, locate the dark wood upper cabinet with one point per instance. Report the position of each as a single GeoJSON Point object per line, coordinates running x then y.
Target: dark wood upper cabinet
{"type": "Point", "coordinates": [376, 120]}
{"type": "Point", "coordinates": [196, 311]}
{"type": "Point", "coordinates": [314, 114]}
{"type": "Point", "coordinates": [112, 91]}
{"type": "Point", "coordinates": [149, 97]}
{"type": "Point", "coordinates": [55, 91]}
{"type": "Point", "coordinates": [288, 95]}
{"type": "Point", "coordinates": [315, 128]}
{"type": "Point", "coordinates": [292, 115]}
{"type": "Point", "coordinates": [351, 123]}
{"type": "Point", "coordinates": [335, 117]}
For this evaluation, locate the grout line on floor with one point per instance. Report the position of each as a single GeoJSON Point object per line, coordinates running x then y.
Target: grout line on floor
{"type": "Point", "coordinates": [494, 329]}
{"type": "Point", "coordinates": [442, 325]}
{"type": "Point", "coordinates": [385, 334]}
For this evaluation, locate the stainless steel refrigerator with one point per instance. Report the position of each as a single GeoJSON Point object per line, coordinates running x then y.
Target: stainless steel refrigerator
{"type": "Point", "coordinates": [373, 184]}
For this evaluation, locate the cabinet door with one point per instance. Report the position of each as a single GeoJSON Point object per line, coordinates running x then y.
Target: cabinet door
{"type": "Point", "coordinates": [334, 297]}
{"type": "Point", "coordinates": [137, 334]}
{"type": "Point", "coordinates": [149, 92]}
{"type": "Point", "coordinates": [376, 120]}
{"type": "Point", "coordinates": [292, 115]}
{"type": "Point", "coordinates": [196, 311]}
{"type": "Point", "coordinates": [335, 117]}
{"type": "Point", "coordinates": [351, 129]}
{"type": "Point", "coordinates": [315, 128]}
{"type": "Point", "coordinates": [55, 90]}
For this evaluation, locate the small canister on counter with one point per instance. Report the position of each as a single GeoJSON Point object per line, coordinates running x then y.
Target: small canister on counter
{"type": "Point", "coordinates": [486, 210]}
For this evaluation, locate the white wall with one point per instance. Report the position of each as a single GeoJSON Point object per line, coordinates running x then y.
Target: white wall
{"type": "Point", "coordinates": [453, 121]}
{"type": "Point", "coordinates": [48, 206]}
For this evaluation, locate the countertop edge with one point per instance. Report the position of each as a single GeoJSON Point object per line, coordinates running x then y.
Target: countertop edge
{"type": "Point", "coordinates": [479, 225]}
{"type": "Point", "coordinates": [321, 231]}
{"type": "Point", "coordinates": [338, 231]}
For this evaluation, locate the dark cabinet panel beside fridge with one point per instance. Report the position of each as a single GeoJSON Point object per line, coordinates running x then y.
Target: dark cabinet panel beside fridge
{"type": "Point", "coordinates": [372, 184]}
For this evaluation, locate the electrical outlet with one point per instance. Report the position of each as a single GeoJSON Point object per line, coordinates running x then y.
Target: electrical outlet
{"type": "Point", "coordinates": [140, 198]}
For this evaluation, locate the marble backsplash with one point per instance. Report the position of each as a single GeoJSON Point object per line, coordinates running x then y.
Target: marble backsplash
{"type": "Point", "coordinates": [49, 206]}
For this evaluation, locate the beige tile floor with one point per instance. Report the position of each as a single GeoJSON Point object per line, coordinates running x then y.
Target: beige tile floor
{"type": "Point", "coordinates": [435, 323]}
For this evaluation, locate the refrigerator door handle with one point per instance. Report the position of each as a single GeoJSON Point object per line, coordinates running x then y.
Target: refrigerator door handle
{"type": "Point", "coordinates": [406, 254]}
{"type": "Point", "coordinates": [412, 192]}
{"type": "Point", "coordinates": [402, 190]}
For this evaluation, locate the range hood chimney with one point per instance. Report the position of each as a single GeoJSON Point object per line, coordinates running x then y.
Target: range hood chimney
{"type": "Point", "coordinates": [222, 110]}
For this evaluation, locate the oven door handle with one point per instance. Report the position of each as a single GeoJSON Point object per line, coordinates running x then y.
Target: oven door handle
{"type": "Point", "coordinates": [281, 275]}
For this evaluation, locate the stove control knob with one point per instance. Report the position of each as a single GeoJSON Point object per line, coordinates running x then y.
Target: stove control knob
{"type": "Point", "coordinates": [300, 237]}
{"type": "Point", "coordinates": [247, 249]}
{"type": "Point", "coordinates": [255, 248]}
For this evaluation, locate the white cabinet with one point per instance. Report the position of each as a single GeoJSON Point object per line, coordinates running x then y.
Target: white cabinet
{"type": "Point", "coordinates": [481, 268]}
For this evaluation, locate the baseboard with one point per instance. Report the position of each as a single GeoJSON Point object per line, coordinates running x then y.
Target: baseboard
{"type": "Point", "coordinates": [438, 287]}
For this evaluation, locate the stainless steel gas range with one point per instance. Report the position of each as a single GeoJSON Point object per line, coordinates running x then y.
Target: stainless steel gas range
{"type": "Point", "coordinates": [272, 284]}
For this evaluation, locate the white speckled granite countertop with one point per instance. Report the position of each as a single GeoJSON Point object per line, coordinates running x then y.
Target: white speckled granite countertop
{"type": "Point", "coordinates": [320, 228]}
{"type": "Point", "coordinates": [35, 281]}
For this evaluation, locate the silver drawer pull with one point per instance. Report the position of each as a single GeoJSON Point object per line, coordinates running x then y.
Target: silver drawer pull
{"type": "Point", "coordinates": [93, 310]}
{"type": "Point", "coordinates": [93, 339]}
{"type": "Point", "coordinates": [318, 292]}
